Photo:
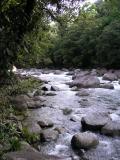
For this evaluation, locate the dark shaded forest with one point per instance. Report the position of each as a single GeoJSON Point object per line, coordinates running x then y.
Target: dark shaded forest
{"type": "Point", "coordinates": [59, 34]}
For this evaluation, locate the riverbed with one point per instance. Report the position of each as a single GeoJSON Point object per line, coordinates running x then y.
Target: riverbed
{"type": "Point", "coordinates": [99, 100]}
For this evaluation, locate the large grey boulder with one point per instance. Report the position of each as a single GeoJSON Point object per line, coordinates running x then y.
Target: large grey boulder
{"type": "Point", "coordinates": [112, 128]}
{"type": "Point", "coordinates": [87, 81]}
{"type": "Point", "coordinates": [85, 140]}
{"type": "Point", "coordinates": [94, 121]}
{"type": "Point", "coordinates": [109, 76]}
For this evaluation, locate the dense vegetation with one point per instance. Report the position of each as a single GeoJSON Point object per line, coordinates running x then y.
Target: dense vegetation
{"type": "Point", "coordinates": [88, 39]}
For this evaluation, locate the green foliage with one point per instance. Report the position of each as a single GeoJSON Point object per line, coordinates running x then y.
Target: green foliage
{"type": "Point", "coordinates": [92, 40]}
{"type": "Point", "coordinates": [30, 137]}
{"type": "Point", "coordinates": [22, 86]}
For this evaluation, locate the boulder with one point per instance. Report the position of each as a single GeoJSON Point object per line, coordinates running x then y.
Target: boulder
{"type": "Point", "coordinates": [87, 81]}
{"type": "Point", "coordinates": [110, 76]}
{"type": "Point", "coordinates": [112, 128]}
{"type": "Point", "coordinates": [107, 86]}
{"type": "Point", "coordinates": [57, 71]}
{"type": "Point", "coordinates": [85, 140]}
{"type": "Point", "coordinates": [20, 102]}
{"type": "Point", "coordinates": [49, 135]}
{"type": "Point", "coordinates": [80, 74]}
{"type": "Point", "coordinates": [94, 121]}
{"type": "Point", "coordinates": [32, 127]}
{"type": "Point", "coordinates": [45, 123]}
{"type": "Point", "coordinates": [82, 93]}
{"type": "Point", "coordinates": [50, 94]}
{"type": "Point", "coordinates": [34, 104]}
{"type": "Point", "coordinates": [117, 73]}
{"type": "Point", "coordinates": [54, 88]}
{"type": "Point", "coordinates": [28, 155]}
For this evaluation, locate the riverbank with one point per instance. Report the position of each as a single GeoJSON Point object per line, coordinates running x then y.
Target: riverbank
{"type": "Point", "coordinates": [11, 132]}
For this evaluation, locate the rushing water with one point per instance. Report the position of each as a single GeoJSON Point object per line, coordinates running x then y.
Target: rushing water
{"type": "Point", "coordinates": [99, 100]}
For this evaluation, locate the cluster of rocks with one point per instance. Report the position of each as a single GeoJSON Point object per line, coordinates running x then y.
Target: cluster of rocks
{"type": "Point", "coordinates": [101, 122]}
{"type": "Point", "coordinates": [96, 122]}
{"type": "Point", "coordinates": [89, 78]}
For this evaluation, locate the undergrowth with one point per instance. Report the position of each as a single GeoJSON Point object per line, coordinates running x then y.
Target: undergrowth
{"type": "Point", "coordinates": [10, 132]}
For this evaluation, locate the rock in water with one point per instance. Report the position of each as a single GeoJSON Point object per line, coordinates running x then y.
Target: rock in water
{"type": "Point", "coordinates": [54, 88]}
{"type": "Point", "coordinates": [82, 92]}
{"type": "Point", "coordinates": [86, 81]}
{"type": "Point", "coordinates": [107, 86]}
{"type": "Point", "coordinates": [85, 140]}
{"type": "Point", "coordinates": [94, 121]}
{"type": "Point", "coordinates": [111, 129]}
{"type": "Point", "coordinates": [45, 123]}
{"type": "Point", "coordinates": [49, 135]}
{"type": "Point", "coordinates": [110, 77]}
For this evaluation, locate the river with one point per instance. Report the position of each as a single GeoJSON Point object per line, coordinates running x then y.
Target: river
{"type": "Point", "coordinates": [99, 100]}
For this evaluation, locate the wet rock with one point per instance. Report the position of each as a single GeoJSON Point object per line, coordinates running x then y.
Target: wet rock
{"type": "Point", "coordinates": [74, 89]}
{"type": "Point", "coordinates": [112, 128]}
{"type": "Point", "coordinates": [74, 118]}
{"type": "Point", "coordinates": [85, 140]}
{"type": "Point", "coordinates": [109, 76]}
{"type": "Point", "coordinates": [19, 102]}
{"type": "Point", "coordinates": [82, 93]}
{"type": "Point", "coordinates": [24, 146]}
{"type": "Point", "coordinates": [50, 94]}
{"type": "Point", "coordinates": [39, 98]}
{"type": "Point", "coordinates": [49, 135]}
{"type": "Point", "coordinates": [70, 73]}
{"type": "Point", "coordinates": [87, 81]}
{"type": "Point", "coordinates": [44, 88]}
{"type": "Point", "coordinates": [107, 86]}
{"type": "Point", "coordinates": [57, 71]}
{"type": "Point", "coordinates": [54, 88]}
{"type": "Point", "coordinates": [94, 121]}
{"type": "Point", "coordinates": [28, 155]}
{"type": "Point", "coordinates": [67, 111]}
{"type": "Point", "coordinates": [60, 130]}
{"type": "Point", "coordinates": [35, 104]}
{"type": "Point", "coordinates": [32, 127]}
{"type": "Point", "coordinates": [45, 123]}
